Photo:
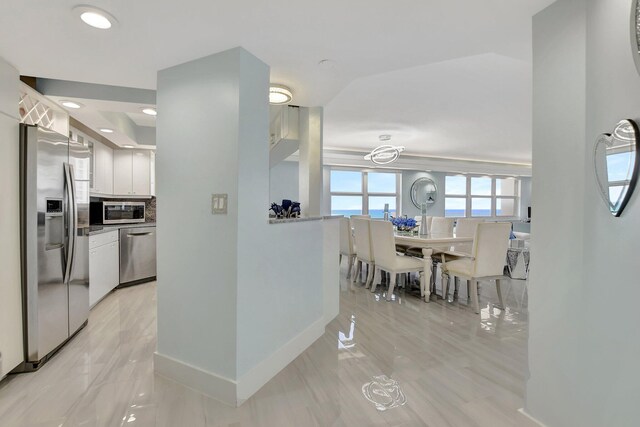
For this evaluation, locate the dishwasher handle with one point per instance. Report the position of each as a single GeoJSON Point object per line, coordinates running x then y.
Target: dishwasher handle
{"type": "Point", "coordinates": [148, 233]}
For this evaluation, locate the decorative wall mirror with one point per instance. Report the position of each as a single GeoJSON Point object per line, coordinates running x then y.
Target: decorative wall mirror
{"type": "Point", "coordinates": [423, 191]}
{"type": "Point", "coordinates": [635, 32]}
{"type": "Point", "coordinates": [616, 165]}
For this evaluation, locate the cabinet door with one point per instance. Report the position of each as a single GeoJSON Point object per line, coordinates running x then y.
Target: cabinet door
{"type": "Point", "coordinates": [152, 173]}
{"type": "Point", "coordinates": [141, 173]}
{"type": "Point", "coordinates": [122, 172]}
{"type": "Point", "coordinates": [104, 271]}
{"type": "Point", "coordinates": [106, 173]}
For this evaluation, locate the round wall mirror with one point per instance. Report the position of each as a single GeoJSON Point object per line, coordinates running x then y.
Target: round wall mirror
{"type": "Point", "coordinates": [616, 165]}
{"type": "Point", "coordinates": [423, 190]}
{"type": "Point", "coordinates": [635, 32]}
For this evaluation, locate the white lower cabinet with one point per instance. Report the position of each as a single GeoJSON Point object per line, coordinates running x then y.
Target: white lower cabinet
{"type": "Point", "coordinates": [104, 265]}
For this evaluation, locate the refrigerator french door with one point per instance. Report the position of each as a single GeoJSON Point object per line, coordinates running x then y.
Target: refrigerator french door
{"type": "Point", "coordinates": [54, 241]}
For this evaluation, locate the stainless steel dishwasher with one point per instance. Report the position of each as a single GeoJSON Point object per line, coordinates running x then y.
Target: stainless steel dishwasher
{"type": "Point", "coordinates": [137, 254]}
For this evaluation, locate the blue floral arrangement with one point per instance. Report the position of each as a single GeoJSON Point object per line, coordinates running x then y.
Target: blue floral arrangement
{"type": "Point", "coordinates": [404, 223]}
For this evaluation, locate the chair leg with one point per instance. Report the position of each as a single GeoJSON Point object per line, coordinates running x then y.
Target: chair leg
{"type": "Point", "coordinates": [468, 292]}
{"type": "Point", "coordinates": [376, 274]}
{"type": "Point", "coordinates": [499, 293]}
{"type": "Point", "coordinates": [370, 274]}
{"type": "Point", "coordinates": [445, 285]}
{"type": "Point", "coordinates": [358, 272]}
{"type": "Point", "coordinates": [456, 287]}
{"type": "Point", "coordinates": [392, 284]}
{"type": "Point", "coordinates": [340, 260]}
{"type": "Point", "coordinates": [350, 260]}
{"type": "Point", "coordinates": [474, 295]}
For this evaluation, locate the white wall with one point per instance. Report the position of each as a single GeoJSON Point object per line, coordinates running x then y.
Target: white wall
{"type": "Point", "coordinates": [283, 182]}
{"type": "Point", "coordinates": [11, 345]}
{"type": "Point", "coordinates": [525, 195]}
{"type": "Point", "coordinates": [583, 293]}
{"type": "Point", "coordinates": [238, 298]}
{"type": "Point", "coordinates": [197, 251]}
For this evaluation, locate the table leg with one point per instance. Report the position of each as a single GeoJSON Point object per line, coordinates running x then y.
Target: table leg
{"type": "Point", "coordinates": [428, 263]}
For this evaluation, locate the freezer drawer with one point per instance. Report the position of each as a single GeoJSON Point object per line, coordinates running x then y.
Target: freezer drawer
{"type": "Point", "coordinates": [137, 254]}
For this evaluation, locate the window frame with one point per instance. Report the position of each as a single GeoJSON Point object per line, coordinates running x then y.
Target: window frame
{"type": "Point", "coordinates": [494, 197]}
{"type": "Point", "coordinates": [365, 194]}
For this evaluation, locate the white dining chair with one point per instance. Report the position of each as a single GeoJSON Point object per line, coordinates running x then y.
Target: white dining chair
{"type": "Point", "coordinates": [388, 261]}
{"type": "Point", "coordinates": [466, 227]}
{"type": "Point", "coordinates": [364, 249]}
{"type": "Point", "coordinates": [441, 225]}
{"type": "Point", "coordinates": [418, 219]}
{"type": "Point", "coordinates": [360, 216]}
{"type": "Point", "coordinates": [486, 261]}
{"type": "Point", "coordinates": [347, 245]}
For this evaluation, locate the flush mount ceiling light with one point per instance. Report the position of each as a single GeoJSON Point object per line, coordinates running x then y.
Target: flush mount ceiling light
{"type": "Point", "coordinates": [106, 130]}
{"type": "Point", "coordinates": [95, 17]}
{"type": "Point", "coordinates": [385, 154]}
{"type": "Point", "coordinates": [279, 94]}
{"type": "Point", "coordinates": [128, 146]}
{"type": "Point", "coordinates": [71, 104]}
{"type": "Point", "coordinates": [149, 111]}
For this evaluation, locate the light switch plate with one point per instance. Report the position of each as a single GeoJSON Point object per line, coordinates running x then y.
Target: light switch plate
{"type": "Point", "coordinates": [219, 204]}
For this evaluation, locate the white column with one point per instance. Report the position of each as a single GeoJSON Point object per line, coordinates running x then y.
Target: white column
{"type": "Point", "coordinates": [231, 310]}
{"type": "Point", "coordinates": [10, 288]}
{"type": "Point", "coordinates": [310, 154]}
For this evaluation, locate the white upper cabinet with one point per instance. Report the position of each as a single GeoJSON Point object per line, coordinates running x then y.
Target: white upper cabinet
{"type": "Point", "coordinates": [131, 173]}
{"type": "Point", "coordinates": [152, 172]}
{"type": "Point", "coordinates": [103, 169]}
{"type": "Point", "coordinates": [141, 173]}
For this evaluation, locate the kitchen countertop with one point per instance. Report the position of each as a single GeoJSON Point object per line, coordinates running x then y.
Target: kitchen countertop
{"type": "Point", "coordinates": [303, 219]}
{"type": "Point", "coordinates": [98, 229]}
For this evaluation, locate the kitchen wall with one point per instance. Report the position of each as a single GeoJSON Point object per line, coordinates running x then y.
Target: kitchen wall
{"type": "Point", "coordinates": [11, 347]}
{"type": "Point", "coordinates": [583, 291]}
{"type": "Point", "coordinates": [283, 182]}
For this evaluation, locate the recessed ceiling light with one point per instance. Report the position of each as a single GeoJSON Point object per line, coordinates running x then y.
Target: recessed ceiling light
{"type": "Point", "coordinates": [94, 17]}
{"type": "Point", "coordinates": [106, 130]}
{"type": "Point", "coordinates": [71, 104]}
{"type": "Point", "coordinates": [128, 146]}
{"type": "Point", "coordinates": [279, 94]}
{"type": "Point", "coordinates": [150, 111]}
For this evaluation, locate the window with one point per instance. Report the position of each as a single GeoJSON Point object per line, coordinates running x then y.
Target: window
{"type": "Point", "coordinates": [361, 192]}
{"type": "Point", "coordinates": [455, 192]}
{"type": "Point", "coordinates": [481, 196]}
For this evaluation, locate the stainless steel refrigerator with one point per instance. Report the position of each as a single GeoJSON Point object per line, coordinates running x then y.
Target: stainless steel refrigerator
{"type": "Point", "coordinates": [55, 181]}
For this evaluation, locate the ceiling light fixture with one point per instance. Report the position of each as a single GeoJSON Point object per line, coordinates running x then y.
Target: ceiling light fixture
{"type": "Point", "coordinates": [128, 146]}
{"type": "Point", "coordinates": [149, 111]}
{"type": "Point", "coordinates": [71, 104]}
{"type": "Point", "coordinates": [106, 130]}
{"type": "Point", "coordinates": [94, 17]}
{"type": "Point", "coordinates": [385, 154]}
{"type": "Point", "coordinates": [279, 94]}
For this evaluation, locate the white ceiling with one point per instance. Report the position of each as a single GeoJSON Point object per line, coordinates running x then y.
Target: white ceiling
{"type": "Point", "coordinates": [364, 38]}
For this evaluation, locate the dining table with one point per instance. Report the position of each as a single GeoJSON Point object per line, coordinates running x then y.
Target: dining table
{"type": "Point", "coordinates": [433, 244]}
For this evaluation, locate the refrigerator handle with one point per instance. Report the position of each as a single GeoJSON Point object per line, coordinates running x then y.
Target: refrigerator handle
{"type": "Point", "coordinates": [71, 219]}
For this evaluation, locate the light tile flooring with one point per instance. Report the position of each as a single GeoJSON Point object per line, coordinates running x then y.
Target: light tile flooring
{"type": "Point", "coordinates": [455, 368]}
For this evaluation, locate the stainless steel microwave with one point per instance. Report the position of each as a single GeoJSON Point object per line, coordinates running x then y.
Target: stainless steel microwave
{"type": "Point", "coordinates": [122, 212]}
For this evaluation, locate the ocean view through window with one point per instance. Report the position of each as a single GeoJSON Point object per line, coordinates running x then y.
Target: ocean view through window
{"type": "Point", "coordinates": [364, 193]}
{"type": "Point", "coordinates": [481, 196]}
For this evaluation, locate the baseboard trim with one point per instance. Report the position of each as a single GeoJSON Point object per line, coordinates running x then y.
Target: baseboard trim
{"type": "Point", "coordinates": [530, 417]}
{"type": "Point", "coordinates": [207, 383]}
{"type": "Point", "coordinates": [231, 392]}
{"type": "Point", "coordinates": [260, 374]}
